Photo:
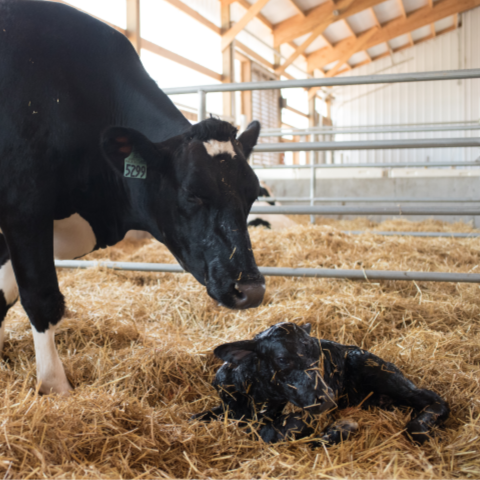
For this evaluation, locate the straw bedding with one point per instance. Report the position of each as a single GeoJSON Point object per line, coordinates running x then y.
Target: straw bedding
{"type": "Point", "coordinates": [137, 347]}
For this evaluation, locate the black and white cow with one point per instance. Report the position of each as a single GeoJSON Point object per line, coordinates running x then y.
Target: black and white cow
{"type": "Point", "coordinates": [70, 183]}
{"type": "Point", "coordinates": [267, 220]}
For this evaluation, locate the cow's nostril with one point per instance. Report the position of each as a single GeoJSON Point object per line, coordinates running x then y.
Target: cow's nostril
{"type": "Point", "coordinates": [249, 295]}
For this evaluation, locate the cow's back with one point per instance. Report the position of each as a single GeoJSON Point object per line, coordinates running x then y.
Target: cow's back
{"type": "Point", "coordinates": [66, 76]}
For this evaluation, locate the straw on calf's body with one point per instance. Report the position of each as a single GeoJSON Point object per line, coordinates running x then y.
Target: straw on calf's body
{"type": "Point", "coordinates": [71, 183]}
{"type": "Point", "coordinates": [285, 364]}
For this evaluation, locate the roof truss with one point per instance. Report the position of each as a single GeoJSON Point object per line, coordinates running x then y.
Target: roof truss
{"type": "Point", "coordinates": [399, 26]}
{"type": "Point", "coordinates": [296, 26]}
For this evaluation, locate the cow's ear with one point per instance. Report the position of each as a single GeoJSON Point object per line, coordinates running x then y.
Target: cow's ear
{"type": "Point", "coordinates": [235, 352]}
{"type": "Point", "coordinates": [125, 146]}
{"type": "Point", "coordinates": [249, 137]}
{"type": "Point", "coordinates": [307, 327]}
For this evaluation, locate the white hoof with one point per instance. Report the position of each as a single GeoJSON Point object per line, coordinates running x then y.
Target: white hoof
{"type": "Point", "coordinates": [63, 389]}
{"type": "Point", "coordinates": [50, 373]}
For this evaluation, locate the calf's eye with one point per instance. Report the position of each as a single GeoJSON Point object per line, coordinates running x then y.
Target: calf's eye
{"type": "Point", "coordinates": [283, 362]}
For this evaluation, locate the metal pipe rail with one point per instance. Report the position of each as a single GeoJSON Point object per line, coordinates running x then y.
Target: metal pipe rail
{"type": "Point", "coordinates": [369, 199]}
{"type": "Point", "coordinates": [329, 82]}
{"type": "Point", "coordinates": [367, 145]}
{"type": "Point", "coordinates": [415, 234]}
{"type": "Point", "coordinates": [288, 272]}
{"type": "Point", "coordinates": [340, 210]}
{"type": "Point", "coordinates": [365, 131]}
{"type": "Point", "coordinates": [202, 90]}
{"type": "Point", "coordinates": [371, 165]}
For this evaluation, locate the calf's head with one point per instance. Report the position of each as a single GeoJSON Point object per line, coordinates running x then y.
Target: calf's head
{"type": "Point", "coordinates": [193, 192]}
{"type": "Point", "coordinates": [285, 363]}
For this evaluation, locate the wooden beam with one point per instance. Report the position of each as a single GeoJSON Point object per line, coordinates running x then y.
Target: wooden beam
{"type": "Point", "coordinates": [228, 64]}
{"type": "Point", "coordinates": [402, 8]}
{"type": "Point", "coordinates": [296, 26]}
{"type": "Point", "coordinates": [375, 18]}
{"type": "Point", "coordinates": [349, 28]}
{"type": "Point", "coordinates": [298, 112]}
{"type": "Point", "coordinates": [334, 15]}
{"type": "Point", "coordinates": [262, 18]}
{"type": "Point", "coordinates": [306, 43]}
{"type": "Point", "coordinates": [228, 36]}
{"type": "Point", "coordinates": [133, 24]}
{"type": "Point", "coordinates": [297, 8]}
{"type": "Point", "coordinates": [399, 26]}
{"type": "Point", "coordinates": [251, 53]}
{"type": "Point", "coordinates": [246, 76]}
{"type": "Point", "coordinates": [360, 42]}
{"type": "Point", "coordinates": [195, 15]}
{"type": "Point", "coordinates": [163, 52]}
{"type": "Point", "coordinates": [432, 29]}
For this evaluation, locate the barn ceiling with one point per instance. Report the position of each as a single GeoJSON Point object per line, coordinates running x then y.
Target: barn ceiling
{"type": "Point", "coordinates": [332, 37]}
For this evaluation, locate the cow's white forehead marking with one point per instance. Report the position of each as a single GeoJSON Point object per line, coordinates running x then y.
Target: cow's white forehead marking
{"type": "Point", "coordinates": [214, 147]}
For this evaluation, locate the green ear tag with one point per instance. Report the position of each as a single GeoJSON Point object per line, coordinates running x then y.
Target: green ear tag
{"type": "Point", "coordinates": [135, 167]}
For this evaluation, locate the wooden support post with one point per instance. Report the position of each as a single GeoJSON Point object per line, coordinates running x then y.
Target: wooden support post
{"type": "Point", "coordinates": [133, 24]}
{"type": "Point", "coordinates": [247, 95]}
{"type": "Point", "coordinates": [228, 61]}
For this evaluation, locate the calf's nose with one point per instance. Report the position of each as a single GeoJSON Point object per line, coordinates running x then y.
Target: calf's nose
{"type": "Point", "coordinates": [250, 295]}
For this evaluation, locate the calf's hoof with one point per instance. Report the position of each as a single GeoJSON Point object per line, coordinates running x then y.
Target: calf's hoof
{"type": "Point", "coordinates": [418, 432]}
{"type": "Point", "coordinates": [339, 431]}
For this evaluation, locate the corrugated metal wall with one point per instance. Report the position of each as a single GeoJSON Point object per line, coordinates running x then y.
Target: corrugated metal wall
{"type": "Point", "coordinates": [422, 102]}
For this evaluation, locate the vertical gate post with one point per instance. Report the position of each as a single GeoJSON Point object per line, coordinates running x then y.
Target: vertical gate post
{"type": "Point", "coordinates": [202, 105]}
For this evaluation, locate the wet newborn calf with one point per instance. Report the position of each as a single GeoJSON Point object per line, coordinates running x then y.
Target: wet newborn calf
{"type": "Point", "coordinates": [285, 364]}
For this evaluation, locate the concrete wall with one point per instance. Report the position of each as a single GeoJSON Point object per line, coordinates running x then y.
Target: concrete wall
{"type": "Point", "coordinates": [376, 182]}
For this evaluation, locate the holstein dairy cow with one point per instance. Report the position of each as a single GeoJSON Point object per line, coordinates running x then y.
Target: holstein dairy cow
{"type": "Point", "coordinates": [71, 183]}
{"type": "Point", "coordinates": [271, 221]}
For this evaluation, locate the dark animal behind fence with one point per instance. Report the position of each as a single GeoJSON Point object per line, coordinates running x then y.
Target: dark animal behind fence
{"type": "Point", "coordinates": [285, 364]}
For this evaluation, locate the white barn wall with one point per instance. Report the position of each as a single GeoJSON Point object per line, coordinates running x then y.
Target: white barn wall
{"type": "Point", "coordinates": [422, 102]}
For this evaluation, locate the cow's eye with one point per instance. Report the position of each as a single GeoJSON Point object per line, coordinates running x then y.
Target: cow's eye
{"type": "Point", "coordinates": [196, 200]}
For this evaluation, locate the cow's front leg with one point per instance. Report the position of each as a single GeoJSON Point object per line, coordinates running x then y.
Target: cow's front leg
{"type": "Point", "coordinates": [30, 244]}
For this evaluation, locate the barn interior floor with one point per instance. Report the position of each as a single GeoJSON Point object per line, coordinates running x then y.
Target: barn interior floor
{"type": "Point", "coordinates": [137, 347]}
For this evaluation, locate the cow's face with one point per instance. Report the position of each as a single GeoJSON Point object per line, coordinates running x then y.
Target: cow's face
{"type": "Point", "coordinates": [285, 363]}
{"type": "Point", "coordinates": [195, 199]}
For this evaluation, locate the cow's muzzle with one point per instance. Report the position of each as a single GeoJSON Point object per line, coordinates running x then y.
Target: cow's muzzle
{"type": "Point", "coordinates": [248, 295]}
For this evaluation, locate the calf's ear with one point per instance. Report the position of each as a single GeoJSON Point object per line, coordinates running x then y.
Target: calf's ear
{"type": "Point", "coordinates": [307, 327]}
{"type": "Point", "coordinates": [249, 137]}
{"type": "Point", "coordinates": [120, 144]}
{"type": "Point", "coordinates": [235, 352]}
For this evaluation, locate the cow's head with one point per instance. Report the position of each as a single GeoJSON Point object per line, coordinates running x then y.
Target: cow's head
{"type": "Point", "coordinates": [284, 361]}
{"type": "Point", "coordinates": [193, 193]}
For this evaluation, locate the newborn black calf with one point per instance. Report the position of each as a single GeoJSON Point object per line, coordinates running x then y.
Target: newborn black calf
{"type": "Point", "coordinates": [282, 364]}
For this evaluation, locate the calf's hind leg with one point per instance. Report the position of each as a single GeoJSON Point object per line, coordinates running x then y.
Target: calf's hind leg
{"type": "Point", "coordinates": [371, 374]}
{"type": "Point", "coordinates": [30, 244]}
{"type": "Point", "coordinates": [8, 287]}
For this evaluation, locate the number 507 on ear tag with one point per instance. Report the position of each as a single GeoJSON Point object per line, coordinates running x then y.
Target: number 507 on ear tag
{"type": "Point", "coordinates": [135, 167]}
